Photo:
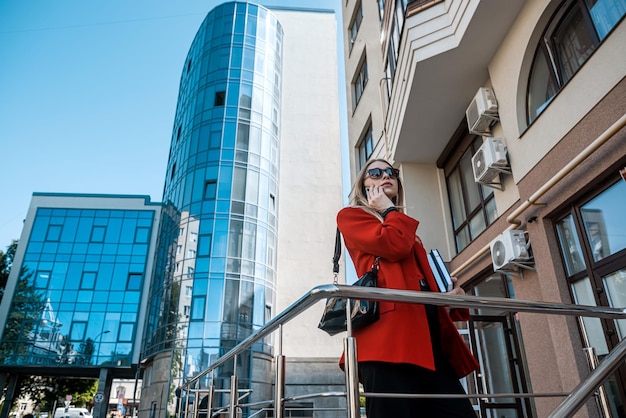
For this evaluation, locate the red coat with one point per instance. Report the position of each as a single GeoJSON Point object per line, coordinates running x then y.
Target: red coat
{"type": "Point", "coordinates": [401, 334]}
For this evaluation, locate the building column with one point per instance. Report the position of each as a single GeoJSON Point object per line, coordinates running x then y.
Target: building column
{"type": "Point", "coordinates": [10, 393]}
{"type": "Point", "coordinates": [105, 381]}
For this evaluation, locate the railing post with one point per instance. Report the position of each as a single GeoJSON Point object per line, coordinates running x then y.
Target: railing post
{"type": "Point", "coordinates": [196, 401]}
{"type": "Point", "coordinates": [232, 410]}
{"type": "Point", "coordinates": [601, 399]}
{"type": "Point", "coordinates": [579, 395]}
{"type": "Point", "coordinates": [209, 406]}
{"type": "Point", "coordinates": [352, 378]}
{"type": "Point", "coordinates": [279, 380]}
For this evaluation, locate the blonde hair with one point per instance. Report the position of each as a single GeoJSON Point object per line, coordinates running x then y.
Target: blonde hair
{"type": "Point", "coordinates": [359, 196]}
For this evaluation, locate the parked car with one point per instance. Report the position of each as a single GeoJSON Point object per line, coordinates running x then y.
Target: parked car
{"type": "Point", "coordinates": [72, 412]}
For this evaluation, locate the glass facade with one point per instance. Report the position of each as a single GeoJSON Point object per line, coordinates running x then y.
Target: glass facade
{"type": "Point", "coordinates": [77, 297]}
{"type": "Point", "coordinates": [214, 279]}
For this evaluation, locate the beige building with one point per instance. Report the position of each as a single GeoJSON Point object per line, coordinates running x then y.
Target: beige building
{"type": "Point", "coordinates": [506, 120]}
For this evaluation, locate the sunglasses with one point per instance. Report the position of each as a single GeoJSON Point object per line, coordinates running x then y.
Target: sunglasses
{"type": "Point", "coordinates": [377, 173]}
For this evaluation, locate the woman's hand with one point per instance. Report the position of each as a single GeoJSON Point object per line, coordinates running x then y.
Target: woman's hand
{"type": "Point", "coordinates": [377, 198]}
{"type": "Point", "coordinates": [457, 289]}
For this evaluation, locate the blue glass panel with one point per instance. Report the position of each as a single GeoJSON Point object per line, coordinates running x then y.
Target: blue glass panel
{"type": "Point", "coordinates": [50, 248]}
{"type": "Point", "coordinates": [197, 308]}
{"type": "Point", "coordinates": [214, 305]}
{"type": "Point", "coordinates": [140, 249]}
{"type": "Point", "coordinates": [69, 296]}
{"type": "Point", "coordinates": [202, 264]}
{"type": "Point", "coordinates": [85, 296]}
{"type": "Point", "coordinates": [88, 280]}
{"type": "Point", "coordinates": [196, 328]}
{"type": "Point", "coordinates": [83, 232]}
{"type": "Point", "coordinates": [94, 249]}
{"type": "Point", "coordinates": [105, 275]}
{"type": "Point", "coordinates": [97, 233]}
{"type": "Point", "coordinates": [126, 332]}
{"type": "Point", "coordinates": [113, 232]}
{"type": "Point", "coordinates": [141, 235]}
{"type": "Point", "coordinates": [69, 230]}
{"type": "Point", "coordinates": [128, 231]}
{"type": "Point", "coordinates": [78, 331]}
{"type": "Point", "coordinates": [54, 295]}
{"type": "Point", "coordinates": [134, 281]}
{"type": "Point", "coordinates": [220, 239]}
{"type": "Point", "coordinates": [130, 307]}
{"type": "Point", "coordinates": [34, 247]}
{"type": "Point", "coordinates": [42, 279]}
{"type": "Point", "coordinates": [124, 249]}
{"type": "Point", "coordinates": [131, 297]}
{"type": "Point", "coordinates": [65, 249]}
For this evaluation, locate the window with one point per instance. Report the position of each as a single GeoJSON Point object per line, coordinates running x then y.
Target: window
{"type": "Point", "coordinates": [593, 250]}
{"type": "Point", "coordinates": [381, 10]}
{"type": "Point", "coordinates": [88, 280]}
{"type": "Point", "coordinates": [355, 24]}
{"type": "Point", "coordinates": [134, 281]}
{"type": "Point", "coordinates": [42, 279]}
{"type": "Point", "coordinates": [97, 233]}
{"type": "Point", "coordinates": [141, 235]}
{"type": "Point", "coordinates": [220, 98]}
{"type": "Point", "coordinates": [188, 290]}
{"type": "Point", "coordinates": [359, 83]}
{"type": "Point", "coordinates": [575, 31]}
{"type": "Point", "coordinates": [54, 233]}
{"type": "Point", "coordinates": [472, 204]}
{"type": "Point", "coordinates": [365, 147]}
{"type": "Point", "coordinates": [210, 189]}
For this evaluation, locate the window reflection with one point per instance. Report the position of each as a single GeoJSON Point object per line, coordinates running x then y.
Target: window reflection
{"type": "Point", "coordinates": [570, 246]}
{"type": "Point", "coordinates": [604, 221]}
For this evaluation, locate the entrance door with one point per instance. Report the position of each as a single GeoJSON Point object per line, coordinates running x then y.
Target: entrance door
{"type": "Point", "coordinates": [496, 342]}
{"type": "Point", "coordinates": [492, 336]}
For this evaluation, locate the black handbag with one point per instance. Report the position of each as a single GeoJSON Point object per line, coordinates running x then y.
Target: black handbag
{"type": "Point", "coordinates": [362, 312]}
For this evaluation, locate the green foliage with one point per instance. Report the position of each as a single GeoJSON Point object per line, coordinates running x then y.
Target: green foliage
{"type": "Point", "coordinates": [48, 389]}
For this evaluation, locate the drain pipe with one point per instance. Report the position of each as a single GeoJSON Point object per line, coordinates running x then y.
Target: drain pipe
{"type": "Point", "coordinates": [532, 200]}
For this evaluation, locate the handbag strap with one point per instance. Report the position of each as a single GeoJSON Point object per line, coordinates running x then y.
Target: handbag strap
{"type": "Point", "coordinates": [337, 256]}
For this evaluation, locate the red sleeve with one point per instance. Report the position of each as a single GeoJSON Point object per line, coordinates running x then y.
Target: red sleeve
{"type": "Point", "coordinates": [392, 239]}
{"type": "Point", "coordinates": [460, 314]}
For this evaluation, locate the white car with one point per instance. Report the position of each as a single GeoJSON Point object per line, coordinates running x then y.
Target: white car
{"type": "Point", "coordinates": [72, 413]}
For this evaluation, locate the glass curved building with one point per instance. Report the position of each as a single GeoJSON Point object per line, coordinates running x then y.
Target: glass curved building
{"type": "Point", "coordinates": [215, 275]}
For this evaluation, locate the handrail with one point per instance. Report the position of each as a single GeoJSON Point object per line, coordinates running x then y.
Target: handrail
{"type": "Point", "coordinates": [318, 293]}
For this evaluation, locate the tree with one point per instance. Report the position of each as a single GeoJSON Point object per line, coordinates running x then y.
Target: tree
{"type": "Point", "coordinates": [48, 389]}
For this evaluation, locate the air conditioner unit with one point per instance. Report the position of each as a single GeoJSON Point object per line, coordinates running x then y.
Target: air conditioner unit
{"type": "Point", "coordinates": [509, 248]}
{"type": "Point", "coordinates": [489, 160]}
{"type": "Point", "coordinates": [482, 112]}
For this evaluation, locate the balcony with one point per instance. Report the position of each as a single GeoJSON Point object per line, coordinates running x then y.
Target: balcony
{"type": "Point", "coordinates": [444, 55]}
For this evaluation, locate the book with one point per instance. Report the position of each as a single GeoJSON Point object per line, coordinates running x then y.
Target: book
{"type": "Point", "coordinates": [440, 271]}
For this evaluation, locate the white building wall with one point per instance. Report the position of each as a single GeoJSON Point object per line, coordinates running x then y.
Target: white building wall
{"type": "Point", "coordinates": [310, 174]}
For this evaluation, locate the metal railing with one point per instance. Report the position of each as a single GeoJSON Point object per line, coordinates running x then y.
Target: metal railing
{"type": "Point", "coordinates": [572, 402]}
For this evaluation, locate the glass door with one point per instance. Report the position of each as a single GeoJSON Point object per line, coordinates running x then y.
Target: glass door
{"type": "Point", "coordinates": [593, 248]}
{"type": "Point", "coordinates": [496, 342]}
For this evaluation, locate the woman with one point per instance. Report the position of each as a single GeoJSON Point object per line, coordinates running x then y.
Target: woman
{"type": "Point", "coordinates": [412, 348]}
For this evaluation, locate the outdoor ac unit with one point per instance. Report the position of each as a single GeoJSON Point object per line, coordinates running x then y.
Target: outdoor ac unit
{"type": "Point", "coordinates": [509, 248]}
{"type": "Point", "coordinates": [482, 112]}
{"type": "Point", "coordinates": [489, 160]}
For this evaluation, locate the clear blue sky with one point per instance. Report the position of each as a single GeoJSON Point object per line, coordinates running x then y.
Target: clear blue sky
{"type": "Point", "coordinates": [88, 92]}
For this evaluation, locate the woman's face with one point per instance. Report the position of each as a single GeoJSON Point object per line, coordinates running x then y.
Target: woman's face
{"type": "Point", "coordinates": [385, 177]}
